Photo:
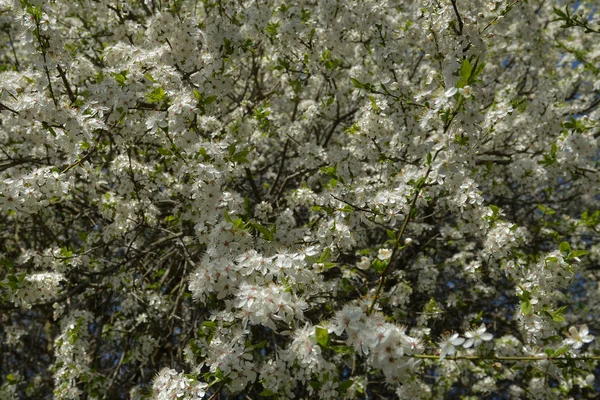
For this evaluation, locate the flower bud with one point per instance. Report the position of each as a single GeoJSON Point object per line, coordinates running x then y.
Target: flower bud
{"type": "Point", "coordinates": [364, 263]}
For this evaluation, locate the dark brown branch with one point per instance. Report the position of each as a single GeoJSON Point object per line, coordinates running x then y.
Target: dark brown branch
{"type": "Point", "coordinates": [460, 22]}
{"type": "Point", "coordinates": [70, 93]}
{"type": "Point", "coordinates": [255, 190]}
{"type": "Point", "coordinates": [281, 164]}
{"type": "Point", "coordinates": [4, 107]}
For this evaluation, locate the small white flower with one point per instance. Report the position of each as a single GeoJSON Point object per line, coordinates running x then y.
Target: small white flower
{"type": "Point", "coordinates": [384, 254]}
{"type": "Point", "coordinates": [448, 342]}
{"type": "Point", "coordinates": [451, 92]}
{"type": "Point", "coordinates": [476, 336]}
{"type": "Point", "coordinates": [348, 318]}
{"type": "Point", "coordinates": [364, 263]}
{"type": "Point", "coordinates": [466, 91]}
{"type": "Point", "coordinates": [576, 338]}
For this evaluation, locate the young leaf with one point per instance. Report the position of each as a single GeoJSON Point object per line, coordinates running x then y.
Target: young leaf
{"type": "Point", "coordinates": [465, 72]}
{"type": "Point", "coordinates": [564, 247]}
{"type": "Point", "coordinates": [526, 307]}
{"type": "Point", "coordinates": [322, 336]}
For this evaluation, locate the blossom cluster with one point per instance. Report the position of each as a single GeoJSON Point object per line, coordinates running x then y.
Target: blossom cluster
{"type": "Point", "coordinates": [300, 199]}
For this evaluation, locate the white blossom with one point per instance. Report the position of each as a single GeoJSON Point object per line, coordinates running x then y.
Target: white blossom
{"type": "Point", "coordinates": [476, 336]}
{"type": "Point", "coordinates": [578, 337]}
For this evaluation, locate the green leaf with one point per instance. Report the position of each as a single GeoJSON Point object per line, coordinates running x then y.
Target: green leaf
{"type": "Point", "coordinates": [120, 77]}
{"type": "Point", "coordinates": [325, 256]}
{"type": "Point", "coordinates": [164, 151]}
{"type": "Point", "coordinates": [561, 14]}
{"type": "Point", "coordinates": [374, 103]}
{"type": "Point", "coordinates": [526, 307]}
{"type": "Point", "coordinates": [560, 351]}
{"type": "Point", "coordinates": [342, 349]}
{"type": "Point", "coordinates": [546, 210]}
{"type": "Point", "coordinates": [259, 345]}
{"type": "Point", "coordinates": [248, 45]}
{"type": "Point", "coordinates": [477, 319]}
{"type": "Point", "coordinates": [11, 379]}
{"type": "Point", "coordinates": [267, 234]}
{"type": "Point", "coordinates": [578, 253]}
{"type": "Point", "coordinates": [322, 336]}
{"type": "Point", "coordinates": [461, 140]}
{"type": "Point", "coordinates": [158, 95]}
{"type": "Point", "coordinates": [357, 84]}
{"type": "Point", "coordinates": [432, 307]}
{"type": "Point", "coordinates": [12, 282]}
{"type": "Point", "coordinates": [209, 100]}
{"type": "Point", "coordinates": [345, 385]}
{"type": "Point", "coordinates": [239, 223]}
{"type": "Point", "coordinates": [267, 393]}
{"type": "Point", "coordinates": [271, 29]}
{"type": "Point", "coordinates": [231, 149]}
{"type": "Point", "coordinates": [328, 101]}
{"type": "Point", "coordinates": [228, 47]}
{"type": "Point", "coordinates": [478, 70]}
{"type": "Point", "coordinates": [330, 171]}
{"type": "Point", "coordinates": [170, 218]}
{"type": "Point", "coordinates": [240, 156]}
{"type": "Point", "coordinates": [557, 316]}
{"type": "Point", "coordinates": [465, 71]}
{"type": "Point", "coordinates": [8, 264]}
{"type": "Point", "coordinates": [203, 153]}
{"type": "Point", "coordinates": [346, 208]}
{"type": "Point", "coordinates": [203, 100]}
{"type": "Point", "coordinates": [564, 247]}
{"type": "Point", "coordinates": [315, 384]}
{"type": "Point", "coordinates": [379, 265]}
{"type": "Point", "coordinates": [197, 94]}
{"type": "Point", "coordinates": [66, 252]}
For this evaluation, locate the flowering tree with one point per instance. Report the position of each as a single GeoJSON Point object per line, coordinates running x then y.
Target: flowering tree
{"type": "Point", "coordinates": [310, 199]}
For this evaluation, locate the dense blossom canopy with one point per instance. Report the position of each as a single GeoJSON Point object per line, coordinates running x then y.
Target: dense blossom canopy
{"type": "Point", "coordinates": [299, 199]}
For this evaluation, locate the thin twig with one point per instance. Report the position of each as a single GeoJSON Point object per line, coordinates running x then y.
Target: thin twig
{"type": "Point", "coordinates": [250, 178]}
{"type": "Point", "coordinates": [460, 22]}
{"type": "Point", "coordinates": [12, 45]}
{"type": "Point", "coordinates": [505, 358]}
{"type": "Point", "coordinates": [382, 278]}
{"type": "Point", "coordinates": [4, 107]}
{"type": "Point", "coordinates": [281, 164]}
{"type": "Point", "coordinates": [61, 72]}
